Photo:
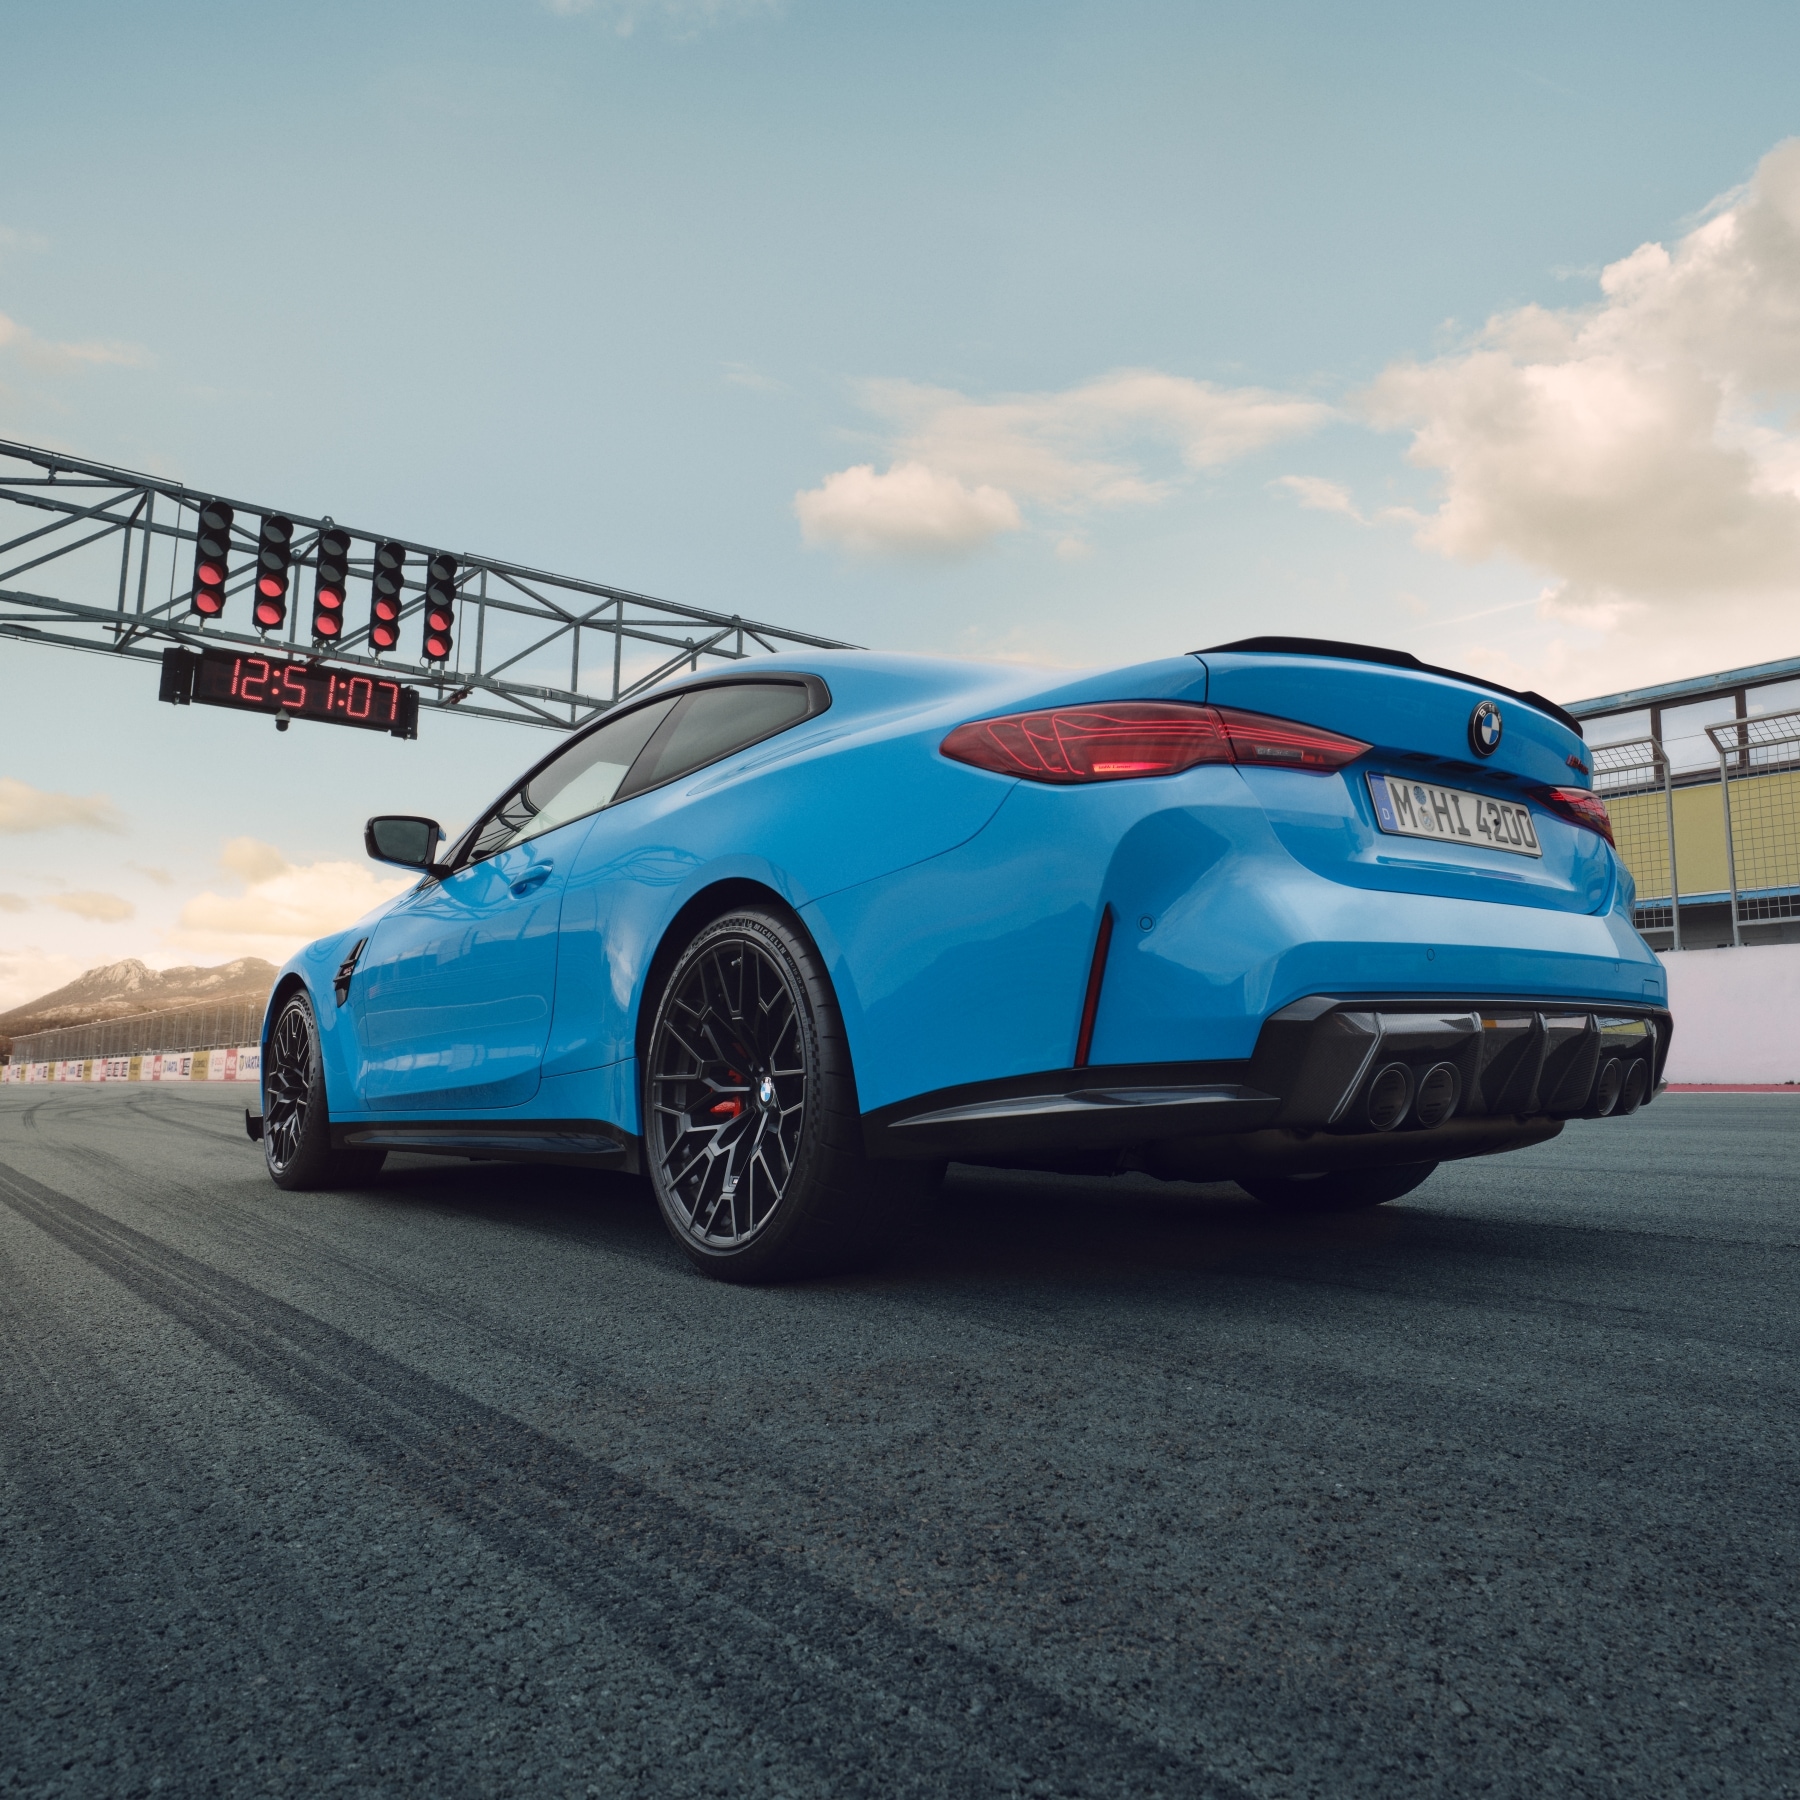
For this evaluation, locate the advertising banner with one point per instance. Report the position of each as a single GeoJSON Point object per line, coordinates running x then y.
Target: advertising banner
{"type": "Point", "coordinates": [249, 1062]}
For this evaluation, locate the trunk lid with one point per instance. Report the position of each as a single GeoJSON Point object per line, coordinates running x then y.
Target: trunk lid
{"type": "Point", "coordinates": [1415, 712]}
{"type": "Point", "coordinates": [1420, 724]}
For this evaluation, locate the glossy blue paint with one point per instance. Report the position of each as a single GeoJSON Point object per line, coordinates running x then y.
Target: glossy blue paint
{"type": "Point", "coordinates": [1240, 927]}
{"type": "Point", "coordinates": [451, 999]}
{"type": "Point", "coordinates": [1327, 823]}
{"type": "Point", "coordinates": [957, 909]}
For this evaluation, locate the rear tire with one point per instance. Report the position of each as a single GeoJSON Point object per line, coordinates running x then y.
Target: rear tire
{"type": "Point", "coordinates": [296, 1135]}
{"type": "Point", "coordinates": [1345, 1190]}
{"type": "Point", "coordinates": [752, 1132]}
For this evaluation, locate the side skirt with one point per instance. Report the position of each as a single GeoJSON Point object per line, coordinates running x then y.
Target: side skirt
{"type": "Point", "coordinates": [574, 1143]}
{"type": "Point", "coordinates": [1080, 1109]}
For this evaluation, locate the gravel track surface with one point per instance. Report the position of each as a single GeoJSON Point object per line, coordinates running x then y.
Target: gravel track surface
{"type": "Point", "coordinates": [462, 1483]}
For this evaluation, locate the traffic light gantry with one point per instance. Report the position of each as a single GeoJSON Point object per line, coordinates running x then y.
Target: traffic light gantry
{"type": "Point", "coordinates": [121, 542]}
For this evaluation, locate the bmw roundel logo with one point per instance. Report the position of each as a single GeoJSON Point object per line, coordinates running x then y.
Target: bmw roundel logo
{"type": "Point", "coordinates": [1485, 726]}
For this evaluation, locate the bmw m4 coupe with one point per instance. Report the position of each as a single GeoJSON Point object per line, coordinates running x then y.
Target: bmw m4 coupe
{"type": "Point", "coordinates": [1306, 916]}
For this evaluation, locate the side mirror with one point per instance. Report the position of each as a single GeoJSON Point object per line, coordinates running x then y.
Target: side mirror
{"type": "Point", "coordinates": [400, 838]}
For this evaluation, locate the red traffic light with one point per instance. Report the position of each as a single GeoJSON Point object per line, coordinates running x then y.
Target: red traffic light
{"type": "Point", "coordinates": [334, 577]}
{"type": "Point", "coordinates": [212, 550]}
{"type": "Point", "coordinates": [389, 593]}
{"type": "Point", "coordinates": [274, 552]}
{"type": "Point", "coordinates": [440, 607]}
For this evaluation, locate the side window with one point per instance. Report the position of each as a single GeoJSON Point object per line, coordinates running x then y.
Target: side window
{"type": "Point", "coordinates": [580, 781]}
{"type": "Point", "coordinates": [713, 722]}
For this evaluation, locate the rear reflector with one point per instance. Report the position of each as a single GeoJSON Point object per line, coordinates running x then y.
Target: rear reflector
{"type": "Point", "coordinates": [1130, 738]}
{"type": "Point", "coordinates": [1579, 807]}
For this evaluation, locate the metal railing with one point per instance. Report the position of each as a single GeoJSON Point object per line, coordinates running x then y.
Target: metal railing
{"type": "Point", "coordinates": [176, 1028]}
{"type": "Point", "coordinates": [1709, 850]}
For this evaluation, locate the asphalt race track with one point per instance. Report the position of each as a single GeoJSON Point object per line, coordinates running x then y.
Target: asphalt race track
{"type": "Point", "coordinates": [463, 1484]}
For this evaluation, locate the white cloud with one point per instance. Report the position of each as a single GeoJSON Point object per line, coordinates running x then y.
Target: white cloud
{"type": "Point", "coordinates": [28, 972]}
{"type": "Point", "coordinates": [48, 354]}
{"type": "Point", "coordinates": [682, 19]}
{"type": "Point", "coordinates": [744, 375]}
{"type": "Point", "coordinates": [14, 903]}
{"type": "Point", "coordinates": [1127, 439]}
{"type": "Point", "coordinates": [252, 860]}
{"type": "Point", "coordinates": [1643, 451]}
{"type": "Point", "coordinates": [912, 510]}
{"type": "Point", "coordinates": [25, 808]}
{"type": "Point", "coordinates": [103, 909]}
{"type": "Point", "coordinates": [283, 904]}
{"type": "Point", "coordinates": [1319, 495]}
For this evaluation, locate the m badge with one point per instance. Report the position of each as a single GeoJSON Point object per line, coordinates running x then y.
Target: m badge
{"type": "Point", "coordinates": [1485, 726]}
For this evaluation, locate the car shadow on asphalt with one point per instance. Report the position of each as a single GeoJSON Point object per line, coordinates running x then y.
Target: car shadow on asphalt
{"type": "Point", "coordinates": [1072, 1232]}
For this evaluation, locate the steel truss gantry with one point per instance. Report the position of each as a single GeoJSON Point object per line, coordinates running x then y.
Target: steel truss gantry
{"type": "Point", "coordinates": [112, 531]}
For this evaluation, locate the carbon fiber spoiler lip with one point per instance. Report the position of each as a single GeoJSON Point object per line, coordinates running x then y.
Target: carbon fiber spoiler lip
{"type": "Point", "coordinates": [1393, 659]}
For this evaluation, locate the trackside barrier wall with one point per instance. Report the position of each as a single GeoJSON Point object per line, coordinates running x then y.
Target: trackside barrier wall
{"type": "Point", "coordinates": [231, 1062]}
{"type": "Point", "coordinates": [1734, 1015]}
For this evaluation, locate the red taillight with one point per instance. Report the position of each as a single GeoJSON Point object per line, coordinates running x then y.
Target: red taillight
{"type": "Point", "coordinates": [1579, 807]}
{"type": "Point", "coordinates": [1256, 738]}
{"type": "Point", "coordinates": [1125, 739]}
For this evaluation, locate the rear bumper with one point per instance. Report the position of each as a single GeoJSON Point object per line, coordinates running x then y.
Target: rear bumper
{"type": "Point", "coordinates": [1320, 1091]}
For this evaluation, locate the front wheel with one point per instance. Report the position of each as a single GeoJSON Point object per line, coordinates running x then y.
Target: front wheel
{"type": "Point", "coordinates": [296, 1135]}
{"type": "Point", "coordinates": [1345, 1190]}
{"type": "Point", "coordinates": [752, 1134]}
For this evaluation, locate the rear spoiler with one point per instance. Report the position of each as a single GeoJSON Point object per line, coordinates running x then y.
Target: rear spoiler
{"type": "Point", "coordinates": [1395, 659]}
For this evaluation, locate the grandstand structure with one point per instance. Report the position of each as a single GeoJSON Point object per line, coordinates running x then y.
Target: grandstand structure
{"type": "Point", "coordinates": [1702, 780]}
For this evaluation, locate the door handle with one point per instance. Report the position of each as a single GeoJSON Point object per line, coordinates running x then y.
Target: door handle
{"type": "Point", "coordinates": [532, 879]}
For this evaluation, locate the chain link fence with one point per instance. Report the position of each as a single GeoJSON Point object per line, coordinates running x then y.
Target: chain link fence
{"type": "Point", "coordinates": [177, 1028]}
{"type": "Point", "coordinates": [1714, 852]}
{"type": "Point", "coordinates": [1759, 777]}
{"type": "Point", "coordinates": [1633, 779]}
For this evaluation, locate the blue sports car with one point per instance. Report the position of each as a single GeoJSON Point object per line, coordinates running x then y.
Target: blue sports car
{"type": "Point", "coordinates": [1307, 916]}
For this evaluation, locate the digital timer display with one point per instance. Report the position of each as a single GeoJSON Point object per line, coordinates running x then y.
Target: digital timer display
{"type": "Point", "coordinates": [249, 681]}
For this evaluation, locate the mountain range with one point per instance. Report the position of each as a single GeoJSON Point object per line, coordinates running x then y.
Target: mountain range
{"type": "Point", "coordinates": [115, 989]}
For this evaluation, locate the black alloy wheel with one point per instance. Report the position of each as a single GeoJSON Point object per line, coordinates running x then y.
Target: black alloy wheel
{"type": "Point", "coordinates": [752, 1135]}
{"type": "Point", "coordinates": [1341, 1190]}
{"type": "Point", "coordinates": [296, 1135]}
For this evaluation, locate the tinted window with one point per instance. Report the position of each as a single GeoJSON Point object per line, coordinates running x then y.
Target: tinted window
{"type": "Point", "coordinates": [580, 781]}
{"type": "Point", "coordinates": [715, 721]}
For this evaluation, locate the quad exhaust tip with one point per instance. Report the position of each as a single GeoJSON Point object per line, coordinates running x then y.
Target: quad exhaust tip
{"type": "Point", "coordinates": [1608, 1085]}
{"type": "Point", "coordinates": [1439, 1091]}
{"type": "Point", "coordinates": [1637, 1085]}
{"type": "Point", "coordinates": [1390, 1094]}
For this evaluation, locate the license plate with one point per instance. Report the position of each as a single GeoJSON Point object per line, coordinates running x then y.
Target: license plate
{"type": "Point", "coordinates": [1422, 809]}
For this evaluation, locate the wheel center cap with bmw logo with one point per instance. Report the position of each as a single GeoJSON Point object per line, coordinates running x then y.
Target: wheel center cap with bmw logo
{"type": "Point", "coordinates": [1485, 726]}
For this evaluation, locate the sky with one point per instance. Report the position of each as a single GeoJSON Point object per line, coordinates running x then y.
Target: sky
{"type": "Point", "coordinates": [1070, 333]}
